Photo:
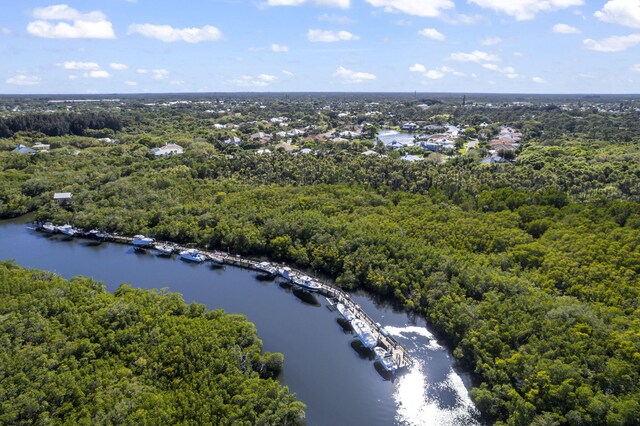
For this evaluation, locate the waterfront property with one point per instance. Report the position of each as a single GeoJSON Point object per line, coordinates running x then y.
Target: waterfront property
{"type": "Point", "coordinates": [368, 331]}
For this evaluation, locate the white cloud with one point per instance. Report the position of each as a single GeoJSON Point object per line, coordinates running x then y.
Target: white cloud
{"type": "Point", "coordinates": [142, 71]}
{"type": "Point", "coordinates": [622, 12]}
{"type": "Point", "coordinates": [169, 34]}
{"type": "Point", "coordinates": [131, 83]}
{"type": "Point", "coordinates": [635, 68]}
{"type": "Point", "coordinates": [73, 65]}
{"type": "Point", "coordinates": [288, 73]}
{"type": "Point", "coordinates": [267, 77]}
{"type": "Point", "coordinates": [279, 48]}
{"type": "Point", "coordinates": [428, 8]}
{"type": "Point", "coordinates": [5, 31]}
{"type": "Point", "coordinates": [491, 41]}
{"type": "Point", "coordinates": [524, 10]}
{"type": "Point", "coordinates": [475, 56]}
{"type": "Point", "coordinates": [261, 80]}
{"type": "Point", "coordinates": [613, 43]}
{"type": "Point", "coordinates": [461, 19]}
{"type": "Point", "coordinates": [23, 80]}
{"type": "Point", "coordinates": [341, 4]}
{"type": "Point", "coordinates": [538, 80]}
{"type": "Point", "coordinates": [97, 74]}
{"type": "Point", "coordinates": [118, 67]}
{"type": "Point", "coordinates": [323, 36]}
{"type": "Point", "coordinates": [351, 77]}
{"type": "Point", "coordinates": [83, 25]}
{"type": "Point", "coordinates": [510, 72]}
{"type": "Point", "coordinates": [159, 74]}
{"type": "Point", "coordinates": [434, 74]}
{"type": "Point", "coordinates": [63, 12]}
{"type": "Point", "coordinates": [565, 29]}
{"type": "Point", "coordinates": [432, 33]}
{"type": "Point", "coordinates": [336, 19]}
{"type": "Point", "coordinates": [72, 77]}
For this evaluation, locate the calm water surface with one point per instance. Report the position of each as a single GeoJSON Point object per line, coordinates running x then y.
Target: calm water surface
{"type": "Point", "coordinates": [337, 384]}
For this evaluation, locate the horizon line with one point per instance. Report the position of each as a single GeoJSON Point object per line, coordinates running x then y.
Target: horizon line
{"type": "Point", "coordinates": [415, 93]}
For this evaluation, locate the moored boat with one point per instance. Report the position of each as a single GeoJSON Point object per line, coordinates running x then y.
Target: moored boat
{"type": "Point", "coordinates": [364, 333]}
{"type": "Point", "coordinates": [217, 258]}
{"type": "Point", "coordinates": [49, 227]}
{"type": "Point", "coordinates": [266, 267]}
{"type": "Point", "coordinates": [345, 312]}
{"type": "Point", "coordinates": [385, 358]}
{"type": "Point", "coordinates": [97, 235]}
{"type": "Point", "coordinates": [306, 283]}
{"type": "Point", "coordinates": [163, 249]}
{"type": "Point", "coordinates": [142, 241]}
{"type": "Point", "coordinates": [382, 330]}
{"type": "Point", "coordinates": [192, 255]}
{"type": "Point", "coordinates": [286, 273]}
{"type": "Point", "coordinates": [67, 230]}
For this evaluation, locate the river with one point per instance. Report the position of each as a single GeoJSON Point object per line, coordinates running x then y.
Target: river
{"type": "Point", "coordinates": [321, 367]}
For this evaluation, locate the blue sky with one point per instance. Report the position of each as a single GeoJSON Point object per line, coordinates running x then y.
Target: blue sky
{"type": "Point", "coordinates": [505, 46]}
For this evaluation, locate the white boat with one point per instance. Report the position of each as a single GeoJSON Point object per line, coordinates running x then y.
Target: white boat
{"type": "Point", "coordinates": [364, 333]}
{"type": "Point", "coordinates": [142, 241]}
{"type": "Point", "coordinates": [67, 230]}
{"type": "Point", "coordinates": [382, 330]}
{"type": "Point", "coordinates": [307, 283]}
{"type": "Point", "coordinates": [97, 235]}
{"type": "Point", "coordinates": [217, 258]}
{"type": "Point", "coordinates": [286, 273]}
{"type": "Point", "coordinates": [164, 249]}
{"type": "Point", "coordinates": [49, 228]}
{"type": "Point", "coordinates": [345, 312]}
{"type": "Point", "coordinates": [266, 267]}
{"type": "Point", "coordinates": [385, 359]}
{"type": "Point", "coordinates": [192, 255]}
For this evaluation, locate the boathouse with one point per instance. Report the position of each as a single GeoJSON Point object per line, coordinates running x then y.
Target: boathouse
{"type": "Point", "coordinates": [62, 198]}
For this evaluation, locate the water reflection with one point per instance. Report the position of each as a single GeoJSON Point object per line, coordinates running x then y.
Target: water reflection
{"type": "Point", "coordinates": [429, 400]}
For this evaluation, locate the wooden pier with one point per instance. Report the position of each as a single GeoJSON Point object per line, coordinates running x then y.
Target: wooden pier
{"type": "Point", "coordinates": [335, 294]}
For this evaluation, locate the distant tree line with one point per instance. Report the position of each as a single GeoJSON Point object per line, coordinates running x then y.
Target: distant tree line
{"type": "Point", "coordinates": [58, 124]}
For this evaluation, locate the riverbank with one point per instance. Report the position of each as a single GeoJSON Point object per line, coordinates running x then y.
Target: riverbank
{"type": "Point", "coordinates": [296, 277]}
{"type": "Point", "coordinates": [321, 366]}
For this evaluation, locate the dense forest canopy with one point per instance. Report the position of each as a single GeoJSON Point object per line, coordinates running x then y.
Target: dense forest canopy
{"type": "Point", "coordinates": [73, 353]}
{"type": "Point", "coordinates": [530, 267]}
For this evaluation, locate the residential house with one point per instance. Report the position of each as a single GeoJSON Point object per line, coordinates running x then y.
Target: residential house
{"type": "Point", "coordinates": [168, 149]}
{"type": "Point", "coordinates": [348, 134]}
{"type": "Point", "coordinates": [234, 140]}
{"type": "Point", "coordinates": [262, 137]}
{"type": "Point", "coordinates": [411, 158]}
{"type": "Point", "coordinates": [23, 149]}
{"type": "Point", "coordinates": [41, 147]}
{"type": "Point", "coordinates": [395, 145]}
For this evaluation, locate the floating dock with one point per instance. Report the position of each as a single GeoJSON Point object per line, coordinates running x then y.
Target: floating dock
{"type": "Point", "coordinates": [335, 294]}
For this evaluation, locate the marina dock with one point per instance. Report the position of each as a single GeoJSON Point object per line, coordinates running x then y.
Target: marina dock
{"type": "Point", "coordinates": [331, 292]}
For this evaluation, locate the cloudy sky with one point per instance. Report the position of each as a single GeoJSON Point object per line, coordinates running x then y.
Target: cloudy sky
{"type": "Point", "coordinates": [516, 46]}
